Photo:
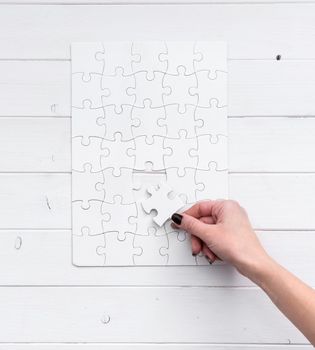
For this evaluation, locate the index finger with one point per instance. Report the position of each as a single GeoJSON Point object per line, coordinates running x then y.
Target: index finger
{"type": "Point", "coordinates": [201, 209]}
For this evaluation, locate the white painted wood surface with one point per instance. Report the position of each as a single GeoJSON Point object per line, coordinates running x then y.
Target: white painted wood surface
{"type": "Point", "coordinates": [43, 298]}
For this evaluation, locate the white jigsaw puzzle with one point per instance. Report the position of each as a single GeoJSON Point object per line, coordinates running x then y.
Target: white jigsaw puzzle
{"type": "Point", "coordinates": [149, 137]}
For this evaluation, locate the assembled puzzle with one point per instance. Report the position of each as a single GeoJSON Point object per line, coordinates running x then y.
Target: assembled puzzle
{"type": "Point", "coordinates": [149, 138]}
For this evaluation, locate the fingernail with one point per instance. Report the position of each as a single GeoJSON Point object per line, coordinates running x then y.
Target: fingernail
{"type": "Point", "coordinates": [209, 261]}
{"type": "Point", "coordinates": [177, 218]}
{"type": "Point", "coordinates": [193, 254]}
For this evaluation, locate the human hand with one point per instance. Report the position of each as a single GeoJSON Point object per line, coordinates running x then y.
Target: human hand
{"type": "Point", "coordinates": [221, 230]}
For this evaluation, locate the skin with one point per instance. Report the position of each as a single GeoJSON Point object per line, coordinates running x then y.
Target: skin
{"type": "Point", "coordinates": [221, 230]}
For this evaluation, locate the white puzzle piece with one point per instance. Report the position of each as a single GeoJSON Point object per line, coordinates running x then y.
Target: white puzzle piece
{"type": "Point", "coordinates": [178, 251]}
{"type": "Point", "coordinates": [121, 217]}
{"type": "Point", "coordinates": [148, 89]}
{"type": "Point", "coordinates": [145, 115]}
{"type": "Point", "coordinates": [88, 221]}
{"type": "Point", "coordinates": [87, 122]}
{"type": "Point", "coordinates": [151, 246]}
{"type": "Point", "coordinates": [152, 153]}
{"type": "Point", "coordinates": [180, 156]}
{"type": "Point", "coordinates": [163, 201]}
{"type": "Point", "coordinates": [184, 185]}
{"type": "Point", "coordinates": [114, 122]}
{"type": "Point", "coordinates": [216, 152]}
{"type": "Point", "coordinates": [175, 121]}
{"type": "Point", "coordinates": [115, 154]}
{"type": "Point", "coordinates": [213, 119]}
{"type": "Point", "coordinates": [89, 190]}
{"type": "Point", "coordinates": [149, 57]}
{"type": "Point", "coordinates": [213, 57]}
{"type": "Point", "coordinates": [84, 252]}
{"type": "Point", "coordinates": [146, 121]}
{"type": "Point", "coordinates": [112, 185]}
{"type": "Point", "coordinates": [116, 87]}
{"type": "Point", "coordinates": [210, 184]}
{"type": "Point", "coordinates": [210, 88]}
{"type": "Point", "coordinates": [88, 90]}
{"type": "Point", "coordinates": [117, 54]}
{"type": "Point", "coordinates": [118, 250]}
{"type": "Point", "coordinates": [86, 61]}
{"type": "Point", "coordinates": [179, 86]}
{"type": "Point", "coordinates": [181, 54]}
{"type": "Point", "coordinates": [90, 153]}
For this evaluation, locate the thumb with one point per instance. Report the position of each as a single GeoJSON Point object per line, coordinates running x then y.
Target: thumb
{"type": "Point", "coordinates": [194, 226]}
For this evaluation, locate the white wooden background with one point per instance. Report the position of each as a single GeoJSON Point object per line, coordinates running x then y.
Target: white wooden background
{"type": "Point", "coordinates": [43, 298]}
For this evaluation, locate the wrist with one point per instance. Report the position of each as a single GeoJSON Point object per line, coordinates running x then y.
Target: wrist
{"type": "Point", "coordinates": [260, 270]}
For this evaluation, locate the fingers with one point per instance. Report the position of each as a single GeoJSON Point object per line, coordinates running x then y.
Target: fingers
{"type": "Point", "coordinates": [207, 220]}
{"type": "Point", "coordinates": [211, 257]}
{"type": "Point", "coordinates": [196, 245]}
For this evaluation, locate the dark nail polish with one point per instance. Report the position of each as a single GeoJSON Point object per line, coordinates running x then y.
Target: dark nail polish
{"type": "Point", "coordinates": [177, 218]}
{"type": "Point", "coordinates": [194, 254]}
{"type": "Point", "coordinates": [209, 261]}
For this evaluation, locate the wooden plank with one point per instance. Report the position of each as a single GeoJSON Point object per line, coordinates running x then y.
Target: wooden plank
{"type": "Point", "coordinates": [255, 144]}
{"type": "Point", "coordinates": [261, 31]}
{"type": "Point", "coordinates": [271, 144]}
{"type": "Point", "coordinates": [153, 2]}
{"type": "Point", "coordinates": [274, 201]}
{"type": "Point", "coordinates": [35, 201]}
{"type": "Point", "coordinates": [35, 144]}
{"type": "Point", "coordinates": [41, 258]}
{"type": "Point", "coordinates": [132, 314]}
{"type": "Point", "coordinates": [31, 89]}
{"type": "Point", "coordinates": [133, 346]}
{"type": "Point", "coordinates": [256, 88]}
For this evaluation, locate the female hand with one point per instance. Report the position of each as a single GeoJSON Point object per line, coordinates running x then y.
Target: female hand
{"type": "Point", "coordinates": [221, 229]}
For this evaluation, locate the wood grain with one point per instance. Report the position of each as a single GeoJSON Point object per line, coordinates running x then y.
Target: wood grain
{"type": "Point", "coordinates": [255, 144]}
{"type": "Point", "coordinates": [152, 314]}
{"type": "Point", "coordinates": [259, 31]}
{"type": "Point", "coordinates": [256, 88]}
{"type": "Point", "coordinates": [38, 258]}
{"type": "Point", "coordinates": [173, 346]}
{"type": "Point", "coordinates": [273, 201]}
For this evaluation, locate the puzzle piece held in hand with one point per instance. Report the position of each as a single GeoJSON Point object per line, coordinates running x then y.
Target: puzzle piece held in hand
{"type": "Point", "coordinates": [162, 201]}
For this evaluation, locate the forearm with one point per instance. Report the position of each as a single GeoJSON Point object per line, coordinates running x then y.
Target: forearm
{"type": "Point", "coordinates": [294, 298]}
